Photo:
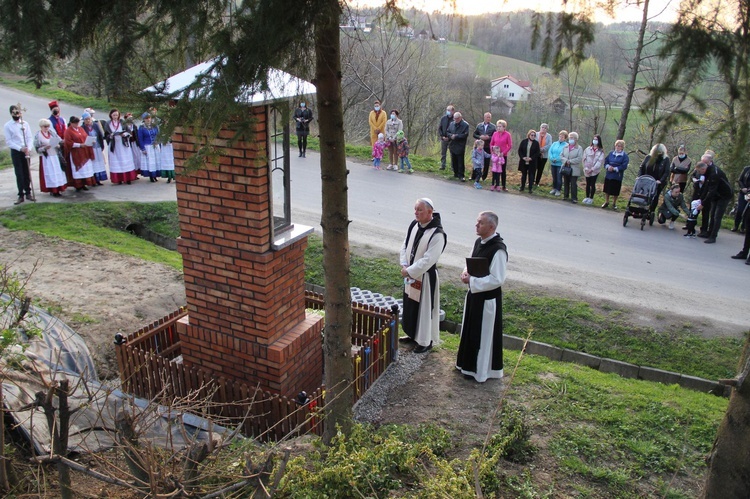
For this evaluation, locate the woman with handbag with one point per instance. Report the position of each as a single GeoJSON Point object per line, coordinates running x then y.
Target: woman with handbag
{"type": "Point", "coordinates": [52, 176]}
{"type": "Point", "coordinates": [615, 165]}
{"type": "Point", "coordinates": [572, 157]}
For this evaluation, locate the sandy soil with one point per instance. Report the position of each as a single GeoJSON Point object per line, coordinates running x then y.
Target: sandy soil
{"type": "Point", "coordinates": [97, 292]}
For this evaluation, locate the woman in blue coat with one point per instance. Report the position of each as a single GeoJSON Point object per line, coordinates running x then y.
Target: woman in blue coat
{"type": "Point", "coordinates": [615, 165]}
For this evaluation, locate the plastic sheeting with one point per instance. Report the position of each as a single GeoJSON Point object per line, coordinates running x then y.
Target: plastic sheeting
{"type": "Point", "coordinates": [61, 354]}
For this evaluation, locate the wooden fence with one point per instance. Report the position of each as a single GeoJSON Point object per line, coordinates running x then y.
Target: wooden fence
{"type": "Point", "coordinates": [150, 368]}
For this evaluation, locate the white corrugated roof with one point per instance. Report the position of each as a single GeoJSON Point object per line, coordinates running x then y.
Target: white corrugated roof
{"type": "Point", "coordinates": [281, 85]}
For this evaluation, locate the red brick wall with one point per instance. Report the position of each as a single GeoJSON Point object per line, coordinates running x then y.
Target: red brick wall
{"type": "Point", "coordinates": [245, 302]}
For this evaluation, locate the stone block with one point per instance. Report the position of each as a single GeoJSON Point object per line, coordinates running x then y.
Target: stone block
{"type": "Point", "coordinates": [512, 342]}
{"type": "Point", "coordinates": [658, 375]}
{"type": "Point", "coordinates": [623, 369]}
{"type": "Point", "coordinates": [544, 349]}
{"type": "Point", "coordinates": [581, 358]}
{"type": "Point", "coordinates": [700, 384]}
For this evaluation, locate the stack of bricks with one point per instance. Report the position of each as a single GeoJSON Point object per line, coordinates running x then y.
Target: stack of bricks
{"type": "Point", "coordinates": [246, 303]}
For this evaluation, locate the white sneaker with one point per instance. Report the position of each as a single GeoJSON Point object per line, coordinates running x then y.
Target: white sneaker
{"type": "Point", "coordinates": [553, 191]}
{"type": "Point", "coordinates": [585, 200]}
{"type": "Point", "coordinates": [671, 225]}
{"type": "Point", "coordinates": [557, 193]}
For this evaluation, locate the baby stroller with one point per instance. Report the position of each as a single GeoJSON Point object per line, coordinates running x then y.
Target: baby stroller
{"type": "Point", "coordinates": [639, 204]}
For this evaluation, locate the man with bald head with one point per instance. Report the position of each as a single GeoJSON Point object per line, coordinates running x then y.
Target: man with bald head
{"type": "Point", "coordinates": [422, 247]}
{"type": "Point", "coordinates": [458, 132]}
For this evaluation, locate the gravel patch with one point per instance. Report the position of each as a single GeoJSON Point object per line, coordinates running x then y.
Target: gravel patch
{"type": "Point", "coordinates": [369, 408]}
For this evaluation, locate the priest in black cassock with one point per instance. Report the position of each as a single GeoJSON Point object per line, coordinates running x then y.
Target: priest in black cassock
{"type": "Point", "coordinates": [480, 352]}
{"type": "Point", "coordinates": [424, 243]}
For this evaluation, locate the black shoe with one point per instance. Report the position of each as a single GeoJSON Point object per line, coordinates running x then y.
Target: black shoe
{"type": "Point", "coordinates": [703, 234]}
{"type": "Point", "coordinates": [169, 180]}
{"type": "Point", "coordinates": [128, 182]}
{"type": "Point", "coordinates": [739, 256]}
{"type": "Point", "coordinates": [300, 154]}
{"type": "Point", "coordinates": [442, 167]}
{"type": "Point", "coordinates": [19, 200]}
{"type": "Point", "coordinates": [406, 339]}
{"type": "Point", "coordinates": [304, 154]}
{"type": "Point", "coordinates": [84, 188]}
{"type": "Point", "coordinates": [734, 229]}
{"type": "Point", "coordinates": [421, 349]}
{"type": "Point", "coordinates": [710, 240]}
{"type": "Point", "coordinates": [463, 179]}
{"type": "Point", "coordinates": [747, 262]}
{"type": "Point", "coordinates": [31, 198]}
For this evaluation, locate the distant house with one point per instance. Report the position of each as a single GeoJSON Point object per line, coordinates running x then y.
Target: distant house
{"type": "Point", "coordinates": [510, 88]}
{"type": "Point", "coordinates": [559, 106]}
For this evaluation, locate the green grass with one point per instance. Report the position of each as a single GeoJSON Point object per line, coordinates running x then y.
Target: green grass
{"type": "Point", "coordinates": [612, 431]}
{"type": "Point", "coordinates": [5, 161]}
{"type": "Point", "coordinates": [49, 91]}
{"type": "Point", "coordinates": [100, 224]}
{"type": "Point", "coordinates": [490, 65]}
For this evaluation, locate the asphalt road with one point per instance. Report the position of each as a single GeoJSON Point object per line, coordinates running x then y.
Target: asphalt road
{"type": "Point", "coordinates": [571, 250]}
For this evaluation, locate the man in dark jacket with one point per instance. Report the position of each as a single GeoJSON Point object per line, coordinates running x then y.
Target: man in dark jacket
{"type": "Point", "coordinates": [484, 131]}
{"type": "Point", "coordinates": [458, 132]}
{"type": "Point", "coordinates": [716, 193]}
{"type": "Point", "coordinates": [445, 122]}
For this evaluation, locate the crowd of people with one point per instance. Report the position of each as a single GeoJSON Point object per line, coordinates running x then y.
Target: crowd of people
{"type": "Point", "coordinates": [569, 159]}
{"type": "Point", "coordinates": [78, 153]}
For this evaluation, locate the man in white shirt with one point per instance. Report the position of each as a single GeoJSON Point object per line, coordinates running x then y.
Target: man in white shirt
{"type": "Point", "coordinates": [19, 140]}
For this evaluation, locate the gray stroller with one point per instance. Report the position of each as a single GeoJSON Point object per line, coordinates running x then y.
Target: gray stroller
{"type": "Point", "coordinates": [639, 204]}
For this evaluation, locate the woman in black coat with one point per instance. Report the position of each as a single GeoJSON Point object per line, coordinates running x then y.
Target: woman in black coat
{"type": "Point", "coordinates": [302, 117]}
{"type": "Point", "coordinates": [657, 164]}
{"type": "Point", "coordinates": [528, 154]}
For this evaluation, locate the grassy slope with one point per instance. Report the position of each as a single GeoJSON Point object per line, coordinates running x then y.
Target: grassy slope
{"type": "Point", "coordinates": [490, 66]}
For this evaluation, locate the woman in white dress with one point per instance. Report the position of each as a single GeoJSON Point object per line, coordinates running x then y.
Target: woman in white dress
{"type": "Point", "coordinates": [52, 177]}
{"type": "Point", "coordinates": [119, 155]}
{"type": "Point", "coordinates": [150, 149]}
{"type": "Point", "coordinates": [93, 129]}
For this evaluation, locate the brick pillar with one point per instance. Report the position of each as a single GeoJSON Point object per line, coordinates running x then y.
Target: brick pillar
{"type": "Point", "coordinates": [246, 303]}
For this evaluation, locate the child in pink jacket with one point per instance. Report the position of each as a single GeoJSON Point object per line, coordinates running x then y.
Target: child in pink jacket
{"type": "Point", "coordinates": [377, 151]}
{"type": "Point", "coordinates": [497, 160]}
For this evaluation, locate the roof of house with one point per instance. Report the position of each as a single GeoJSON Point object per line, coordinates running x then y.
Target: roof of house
{"type": "Point", "coordinates": [521, 83]}
{"type": "Point", "coordinates": [281, 85]}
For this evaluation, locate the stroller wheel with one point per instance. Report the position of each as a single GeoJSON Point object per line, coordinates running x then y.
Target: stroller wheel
{"type": "Point", "coordinates": [643, 222]}
{"type": "Point", "coordinates": [625, 219]}
{"type": "Point", "coordinates": [650, 219]}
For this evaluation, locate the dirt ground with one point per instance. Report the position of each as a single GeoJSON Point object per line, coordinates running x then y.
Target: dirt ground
{"type": "Point", "coordinates": [96, 292]}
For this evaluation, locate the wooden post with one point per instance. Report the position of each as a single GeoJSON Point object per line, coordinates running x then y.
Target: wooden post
{"type": "Point", "coordinates": [60, 442]}
{"type": "Point", "coordinates": [4, 485]}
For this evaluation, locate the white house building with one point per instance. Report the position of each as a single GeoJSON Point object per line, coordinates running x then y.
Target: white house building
{"type": "Point", "coordinates": [510, 88]}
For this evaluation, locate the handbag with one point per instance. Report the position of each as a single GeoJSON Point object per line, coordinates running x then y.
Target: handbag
{"type": "Point", "coordinates": [566, 170]}
{"type": "Point", "coordinates": [61, 159]}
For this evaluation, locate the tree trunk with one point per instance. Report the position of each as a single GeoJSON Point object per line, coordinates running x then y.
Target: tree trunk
{"type": "Point", "coordinates": [728, 464]}
{"type": "Point", "coordinates": [335, 222]}
{"type": "Point", "coordinates": [633, 73]}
